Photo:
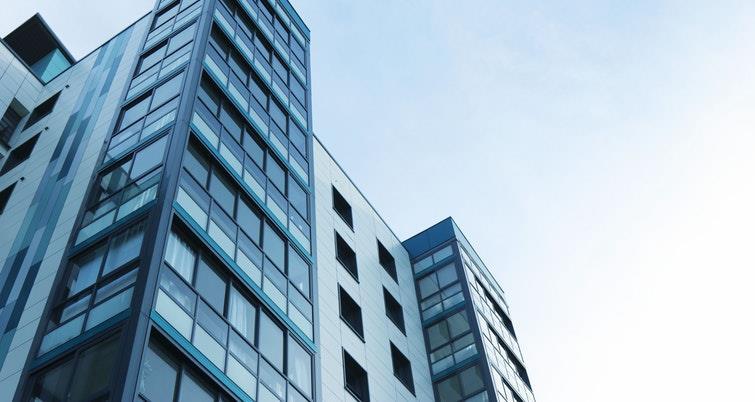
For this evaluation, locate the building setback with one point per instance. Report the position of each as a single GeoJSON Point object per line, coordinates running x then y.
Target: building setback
{"type": "Point", "coordinates": [172, 230]}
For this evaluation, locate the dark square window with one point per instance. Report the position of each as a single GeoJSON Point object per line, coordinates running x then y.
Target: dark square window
{"type": "Point", "coordinates": [343, 208]}
{"type": "Point", "coordinates": [211, 285]}
{"type": "Point", "coordinates": [10, 120]}
{"type": "Point", "coordinates": [387, 261]}
{"type": "Point", "coordinates": [42, 110]}
{"type": "Point", "coordinates": [355, 378]}
{"type": "Point", "coordinates": [18, 155]}
{"type": "Point", "coordinates": [346, 256]}
{"type": "Point", "coordinates": [5, 196]}
{"type": "Point", "coordinates": [393, 310]}
{"type": "Point", "coordinates": [350, 312]}
{"type": "Point", "coordinates": [402, 368]}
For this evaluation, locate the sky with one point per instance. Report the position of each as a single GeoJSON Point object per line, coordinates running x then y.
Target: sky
{"type": "Point", "coordinates": [598, 154]}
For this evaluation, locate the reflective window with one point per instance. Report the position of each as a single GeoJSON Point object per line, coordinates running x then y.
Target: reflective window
{"type": "Point", "coordinates": [461, 386]}
{"type": "Point", "coordinates": [342, 207]}
{"type": "Point", "coordinates": [393, 310]}
{"type": "Point", "coordinates": [271, 341]}
{"type": "Point", "coordinates": [81, 377]}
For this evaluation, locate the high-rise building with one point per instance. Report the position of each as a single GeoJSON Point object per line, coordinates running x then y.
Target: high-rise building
{"type": "Point", "coordinates": [172, 230]}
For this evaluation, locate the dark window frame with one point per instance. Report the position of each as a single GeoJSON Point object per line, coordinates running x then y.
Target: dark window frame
{"type": "Point", "coordinates": [402, 368]}
{"type": "Point", "coordinates": [344, 211]}
{"type": "Point", "coordinates": [20, 154]}
{"type": "Point", "coordinates": [5, 195]}
{"type": "Point", "coordinates": [346, 256]}
{"type": "Point", "coordinates": [387, 261]}
{"type": "Point", "coordinates": [394, 311]}
{"type": "Point", "coordinates": [351, 367]}
{"type": "Point", "coordinates": [42, 110]}
{"type": "Point", "coordinates": [355, 315]}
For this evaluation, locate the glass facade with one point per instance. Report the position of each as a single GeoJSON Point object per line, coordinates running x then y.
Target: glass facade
{"type": "Point", "coordinates": [189, 268]}
{"type": "Point", "coordinates": [472, 348]}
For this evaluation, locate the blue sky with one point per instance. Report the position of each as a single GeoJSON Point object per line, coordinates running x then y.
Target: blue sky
{"type": "Point", "coordinates": [598, 154]}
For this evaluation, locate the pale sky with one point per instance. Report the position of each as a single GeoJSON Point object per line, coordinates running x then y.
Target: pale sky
{"type": "Point", "coordinates": [599, 155]}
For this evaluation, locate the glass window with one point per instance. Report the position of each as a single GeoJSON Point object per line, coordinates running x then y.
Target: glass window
{"type": "Point", "coordinates": [393, 310]}
{"type": "Point", "coordinates": [274, 247]}
{"type": "Point", "coordinates": [350, 312]}
{"type": "Point", "coordinates": [298, 197]}
{"type": "Point", "coordinates": [241, 314]}
{"type": "Point", "coordinates": [180, 256]}
{"type": "Point", "coordinates": [52, 385]}
{"type": "Point", "coordinates": [85, 270]}
{"type": "Point", "coordinates": [249, 220]}
{"type": "Point", "coordinates": [342, 207]}
{"type": "Point", "coordinates": [299, 366]}
{"type": "Point", "coordinates": [211, 285]}
{"type": "Point", "coordinates": [181, 38]}
{"type": "Point", "coordinates": [167, 90]}
{"type": "Point", "coordinates": [298, 271]}
{"type": "Point", "coordinates": [150, 59]}
{"type": "Point", "coordinates": [165, 15]}
{"type": "Point", "coordinates": [193, 391]}
{"type": "Point", "coordinates": [42, 110]}
{"type": "Point", "coordinates": [346, 256]}
{"type": "Point", "coordinates": [158, 377]}
{"type": "Point", "coordinates": [259, 91]}
{"type": "Point", "coordinates": [276, 173]}
{"type": "Point", "coordinates": [149, 157]}
{"type": "Point", "coordinates": [96, 365]}
{"type": "Point", "coordinates": [402, 368]}
{"type": "Point", "coordinates": [355, 378]}
{"type": "Point", "coordinates": [222, 191]}
{"type": "Point", "coordinates": [231, 121]}
{"type": "Point", "coordinates": [254, 149]}
{"type": "Point", "coordinates": [387, 261]}
{"type": "Point", "coordinates": [196, 163]}
{"type": "Point", "coordinates": [19, 154]}
{"type": "Point", "coordinates": [209, 95]}
{"type": "Point", "coordinates": [271, 341]}
{"type": "Point", "coordinates": [124, 248]}
{"type": "Point", "coordinates": [134, 111]}
{"type": "Point", "coordinates": [276, 112]}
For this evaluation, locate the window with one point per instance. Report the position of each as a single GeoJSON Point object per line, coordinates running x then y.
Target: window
{"type": "Point", "coordinates": [63, 382]}
{"type": "Point", "coordinates": [402, 369]}
{"type": "Point", "coordinates": [342, 207]}
{"type": "Point", "coordinates": [387, 261]}
{"type": "Point", "coordinates": [271, 341]}
{"type": "Point", "coordinates": [211, 285]}
{"type": "Point", "coordinates": [439, 291]}
{"type": "Point", "coordinates": [461, 386]}
{"type": "Point", "coordinates": [433, 259]}
{"type": "Point", "coordinates": [393, 310]}
{"type": "Point", "coordinates": [346, 256]}
{"type": "Point", "coordinates": [450, 342]}
{"type": "Point", "coordinates": [299, 367]}
{"type": "Point", "coordinates": [355, 378]}
{"type": "Point", "coordinates": [350, 312]}
{"type": "Point", "coordinates": [99, 285]}
{"type": "Point", "coordinates": [42, 110]}
{"type": "Point", "coordinates": [164, 378]}
{"type": "Point", "coordinates": [5, 196]}
{"type": "Point", "coordinates": [10, 120]}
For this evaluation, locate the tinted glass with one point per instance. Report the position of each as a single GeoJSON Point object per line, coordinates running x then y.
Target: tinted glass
{"type": "Point", "coordinates": [148, 158]}
{"type": "Point", "coordinates": [211, 286]}
{"type": "Point", "coordinates": [271, 341]}
{"type": "Point", "coordinates": [222, 192]}
{"type": "Point", "coordinates": [274, 247]}
{"type": "Point", "coordinates": [158, 377]}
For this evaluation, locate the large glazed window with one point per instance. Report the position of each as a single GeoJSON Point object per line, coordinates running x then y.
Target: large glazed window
{"type": "Point", "coordinates": [246, 235]}
{"type": "Point", "coordinates": [85, 376]}
{"type": "Point", "coordinates": [123, 188]}
{"type": "Point", "coordinates": [439, 291]}
{"type": "Point", "coordinates": [99, 285]}
{"type": "Point", "coordinates": [236, 333]}
{"type": "Point", "coordinates": [450, 342]}
{"type": "Point", "coordinates": [257, 169]}
{"type": "Point", "coordinates": [165, 377]}
{"type": "Point", "coordinates": [464, 386]}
